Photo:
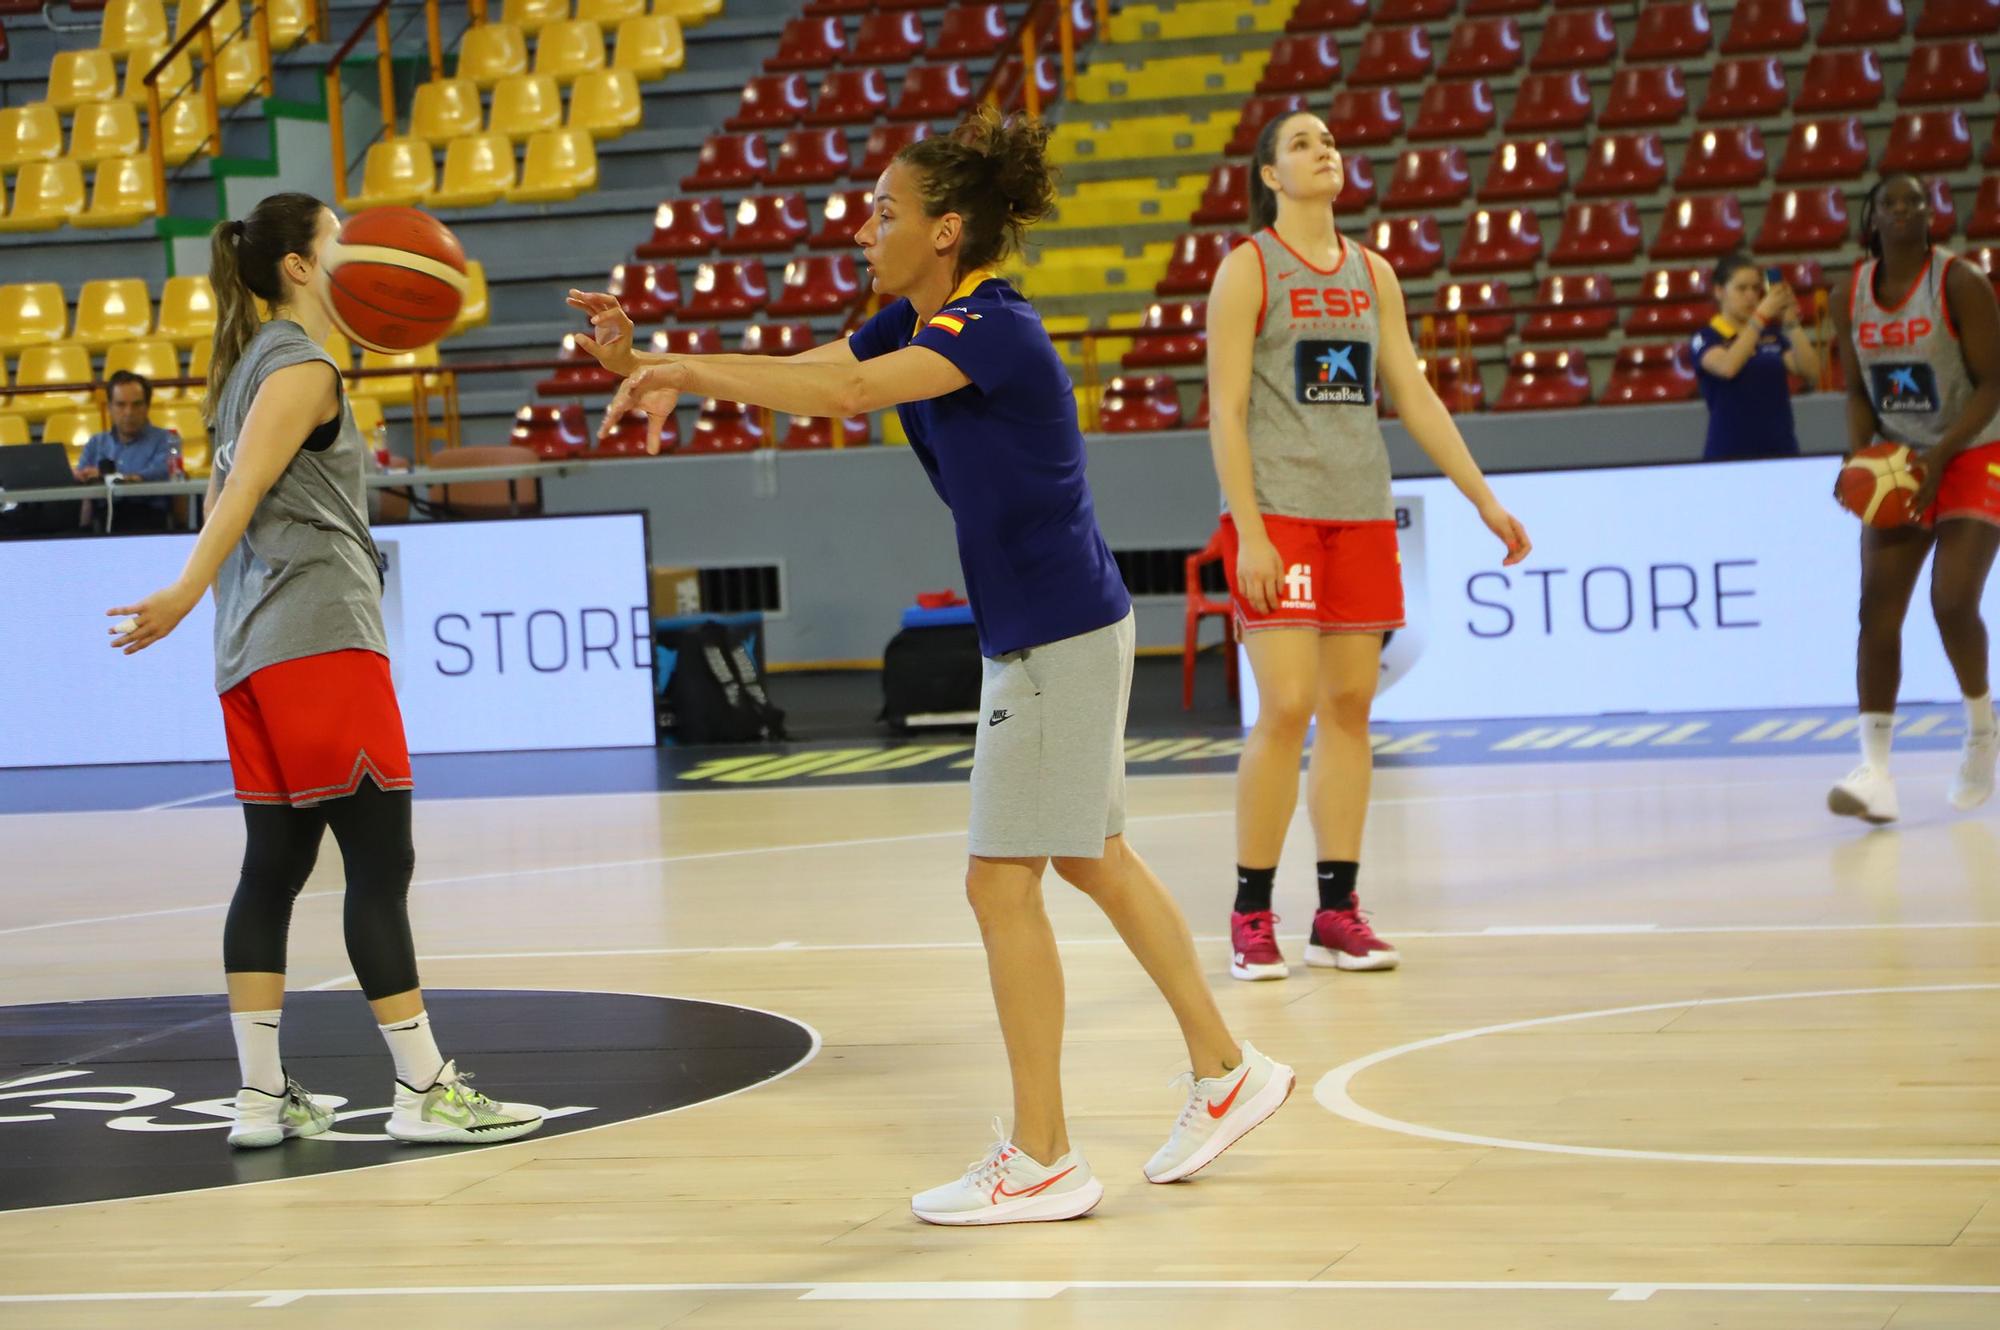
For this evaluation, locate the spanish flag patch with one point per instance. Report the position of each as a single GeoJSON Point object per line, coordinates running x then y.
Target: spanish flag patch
{"type": "Point", "coordinates": [950, 322]}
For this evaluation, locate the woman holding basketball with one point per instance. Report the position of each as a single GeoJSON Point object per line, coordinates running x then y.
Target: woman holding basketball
{"type": "Point", "coordinates": [1301, 323]}
{"type": "Point", "coordinates": [1919, 337]}
{"type": "Point", "coordinates": [301, 663]}
{"type": "Point", "coordinates": [991, 415]}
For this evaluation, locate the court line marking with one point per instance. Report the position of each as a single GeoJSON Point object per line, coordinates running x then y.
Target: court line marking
{"type": "Point", "coordinates": [190, 799]}
{"type": "Point", "coordinates": [1332, 1089]}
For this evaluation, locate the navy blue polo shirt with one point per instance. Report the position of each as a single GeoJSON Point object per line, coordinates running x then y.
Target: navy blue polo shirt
{"type": "Point", "coordinates": [1006, 456]}
{"type": "Point", "coordinates": [1751, 414]}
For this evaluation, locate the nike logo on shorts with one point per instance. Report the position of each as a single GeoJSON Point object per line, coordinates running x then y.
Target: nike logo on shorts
{"type": "Point", "coordinates": [998, 716]}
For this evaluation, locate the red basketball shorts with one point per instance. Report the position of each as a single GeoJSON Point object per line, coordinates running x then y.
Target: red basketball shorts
{"type": "Point", "coordinates": [1971, 487]}
{"type": "Point", "coordinates": [1339, 577]}
{"type": "Point", "coordinates": [307, 730]}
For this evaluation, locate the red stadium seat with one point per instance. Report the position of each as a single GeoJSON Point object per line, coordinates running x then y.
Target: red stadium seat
{"type": "Point", "coordinates": [1991, 157]}
{"type": "Point", "coordinates": [818, 284]}
{"type": "Point", "coordinates": [1765, 25]}
{"type": "Point", "coordinates": [1984, 224]}
{"type": "Point", "coordinates": [884, 142]}
{"type": "Point", "coordinates": [1327, 15]}
{"type": "Point", "coordinates": [843, 212]}
{"type": "Point", "coordinates": [727, 427]}
{"type": "Point", "coordinates": [1958, 18]}
{"type": "Point", "coordinates": [970, 30]}
{"type": "Point", "coordinates": [1473, 299]}
{"type": "Point", "coordinates": [887, 38]}
{"type": "Point", "coordinates": [1861, 23]}
{"type": "Point", "coordinates": [1261, 111]}
{"type": "Point", "coordinates": [1728, 157]}
{"type": "Point", "coordinates": [1547, 103]}
{"type": "Point", "coordinates": [687, 342]}
{"type": "Point", "coordinates": [1413, 11]}
{"type": "Point", "coordinates": [685, 228]}
{"type": "Point", "coordinates": [1656, 373]}
{"type": "Point", "coordinates": [1411, 245]}
{"type": "Point", "coordinates": [728, 289]}
{"type": "Point", "coordinates": [809, 43]}
{"type": "Point", "coordinates": [1225, 200]}
{"type": "Point", "coordinates": [1833, 149]}
{"type": "Point", "coordinates": [1301, 61]}
{"type": "Point", "coordinates": [1138, 404]}
{"type": "Point", "coordinates": [1803, 274]}
{"type": "Point", "coordinates": [771, 101]}
{"type": "Point", "coordinates": [1175, 333]}
{"type": "Point", "coordinates": [1392, 55]}
{"type": "Point", "coordinates": [647, 292]}
{"type": "Point", "coordinates": [579, 374]}
{"type": "Point", "coordinates": [729, 161]}
{"type": "Point", "coordinates": [1010, 84]}
{"type": "Point", "coordinates": [1950, 71]}
{"type": "Point", "coordinates": [1082, 22]}
{"type": "Point", "coordinates": [1749, 88]}
{"type": "Point", "coordinates": [850, 97]}
{"type": "Point", "coordinates": [1840, 81]}
{"type": "Point", "coordinates": [1545, 381]}
{"type": "Point", "coordinates": [1803, 219]}
{"type": "Point", "coordinates": [777, 339]}
{"type": "Point", "coordinates": [1458, 384]}
{"type": "Point", "coordinates": [934, 92]}
{"type": "Point", "coordinates": [1500, 240]}
{"type": "Point", "coordinates": [817, 7]}
{"type": "Point", "coordinates": [1672, 301]}
{"type": "Point", "coordinates": [1598, 233]}
{"type": "Point", "coordinates": [1925, 141]}
{"type": "Point", "coordinates": [1479, 8]}
{"type": "Point", "coordinates": [1622, 165]}
{"type": "Point", "coordinates": [1455, 109]}
{"type": "Point", "coordinates": [810, 156]}
{"type": "Point", "coordinates": [555, 433]}
{"type": "Point", "coordinates": [1676, 30]}
{"type": "Point", "coordinates": [1643, 96]}
{"type": "Point", "coordinates": [817, 432]}
{"type": "Point", "coordinates": [1577, 39]}
{"type": "Point", "coordinates": [1944, 211]}
{"type": "Point", "coordinates": [1364, 117]}
{"type": "Point", "coordinates": [1429, 178]}
{"type": "Point", "coordinates": [628, 437]}
{"type": "Point", "coordinates": [1986, 258]}
{"type": "Point", "coordinates": [1525, 169]}
{"type": "Point", "coordinates": [1703, 226]}
{"type": "Point", "coordinates": [1584, 309]}
{"type": "Point", "coordinates": [1483, 46]}
{"type": "Point", "coordinates": [1357, 185]}
{"type": "Point", "coordinates": [768, 224]}
{"type": "Point", "coordinates": [1191, 267]}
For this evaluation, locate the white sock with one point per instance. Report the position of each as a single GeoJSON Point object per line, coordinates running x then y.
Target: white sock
{"type": "Point", "coordinates": [1877, 728]}
{"type": "Point", "coordinates": [1979, 714]}
{"type": "Point", "coordinates": [416, 1052]}
{"type": "Point", "coordinates": [257, 1050]}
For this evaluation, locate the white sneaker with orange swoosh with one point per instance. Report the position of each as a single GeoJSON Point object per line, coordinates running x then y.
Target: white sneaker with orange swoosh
{"type": "Point", "coordinates": [1219, 1112]}
{"type": "Point", "coordinates": [1008, 1187]}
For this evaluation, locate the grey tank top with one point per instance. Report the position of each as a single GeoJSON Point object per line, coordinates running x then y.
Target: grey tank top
{"type": "Point", "coordinates": [304, 579]}
{"type": "Point", "coordinates": [1316, 446]}
{"type": "Point", "coordinates": [1909, 353]}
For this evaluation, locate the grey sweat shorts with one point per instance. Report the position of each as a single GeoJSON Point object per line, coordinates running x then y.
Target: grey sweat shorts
{"type": "Point", "coordinates": [1048, 767]}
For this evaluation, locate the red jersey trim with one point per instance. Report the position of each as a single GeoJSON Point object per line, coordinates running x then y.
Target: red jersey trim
{"type": "Point", "coordinates": [1915, 286]}
{"type": "Point", "coordinates": [1944, 297]}
{"type": "Point", "coordinates": [1263, 284]}
{"type": "Point", "coordinates": [1272, 231]}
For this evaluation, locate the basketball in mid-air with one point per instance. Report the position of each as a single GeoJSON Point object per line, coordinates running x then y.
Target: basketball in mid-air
{"type": "Point", "coordinates": [1879, 485]}
{"type": "Point", "coordinates": [396, 279]}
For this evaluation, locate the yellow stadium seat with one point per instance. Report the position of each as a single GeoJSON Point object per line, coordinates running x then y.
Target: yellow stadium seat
{"type": "Point", "coordinates": [72, 429]}
{"type": "Point", "coordinates": [290, 22]}
{"type": "Point", "coordinates": [238, 72]}
{"type": "Point", "coordinates": [396, 171]}
{"type": "Point", "coordinates": [610, 11]}
{"type": "Point", "coordinates": [198, 369]}
{"type": "Point", "coordinates": [491, 52]}
{"type": "Point", "coordinates": [649, 47]}
{"type": "Point", "coordinates": [1184, 76]}
{"type": "Point", "coordinates": [77, 78]}
{"type": "Point", "coordinates": [478, 169]}
{"type": "Point", "coordinates": [121, 195]}
{"type": "Point", "coordinates": [605, 103]}
{"type": "Point", "coordinates": [130, 24]}
{"type": "Point", "coordinates": [476, 308]}
{"type": "Point", "coordinates": [187, 128]}
{"type": "Point", "coordinates": [112, 309]}
{"type": "Point", "coordinates": [187, 310]}
{"type": "Point", "coordinates": [188, 11]}
{"type": "Point", "coordinates": [184, 419]}
{"type": "Point", "coordinates": [561, 164]}
{"type": "Point", "coordinates": [565, 50]}
{"type": "Point", "coordinates": [151, 357]}
{"type": "Point", "coordinates": [534, 15]}
{"type": "Point", "coordinates": [1148, 23]}
{"type": "Point", "coordinates": [14, 429]}
{"type": "Point", "coordinates": [1142, 136]}
{"type": "Point", "coordinates": [398, 390]}
{"type": "Point", "coordinates": [31, 133]}
{"type": "Point", "coordinates": [443, 109]}
{"type": "Point", "coordinates": [524, 105]}
{"type": "Point", "coordinates": [104, 130]}
{"type": "Point", "coordinates": [32, 313]}
{"type": "Point", "coordinates": [688, 13]}
{"type": "Point", "coordinates": [46, 194]}
{"type": "Point", "coordinates": [52, 362]}
{"type": "Point", "coordinates": [176, 76]}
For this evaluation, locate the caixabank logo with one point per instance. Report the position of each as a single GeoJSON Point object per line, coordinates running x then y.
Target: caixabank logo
{"type": "Point", "coordinates": [1335, 373]}
{"type": "Point", "coordinates": [133, 1097]}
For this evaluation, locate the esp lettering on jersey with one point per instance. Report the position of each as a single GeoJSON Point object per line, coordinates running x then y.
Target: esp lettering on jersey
{"type": "Point", "coordinates": [1328, 302]}
{"type": "Point", "coordinates": [1334, 373]}
{"type": "Point", "coordinates": [1908, 388]}
{"type": "Point", "coordinates": [1871, 335]}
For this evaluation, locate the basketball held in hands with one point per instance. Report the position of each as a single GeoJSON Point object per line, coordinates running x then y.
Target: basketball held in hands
{"type": "Point", "coordinates": [1879, 485]}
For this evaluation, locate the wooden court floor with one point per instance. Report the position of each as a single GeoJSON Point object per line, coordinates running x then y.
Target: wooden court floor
{"type": "Point", "coordinates": [1670, 1047]}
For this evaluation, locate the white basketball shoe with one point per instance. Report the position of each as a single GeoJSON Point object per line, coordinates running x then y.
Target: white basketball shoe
{"type": "Point", "coordinates": [1007, 1187]}
{"type": "Point", "coordinates": [264, 1120]}
{"type": "Point", "coordinates": [451, 1112]}
{"type": "Point", "coordinates": [1219, 1112]}
{"type": "Point", "coordinates": [1973, 784]}
{"type": "Point", "coordinates": [1866, 793]}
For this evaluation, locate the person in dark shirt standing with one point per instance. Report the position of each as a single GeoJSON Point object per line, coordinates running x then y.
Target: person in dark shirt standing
{"type": "Point", "coordinates": [1743, 358]}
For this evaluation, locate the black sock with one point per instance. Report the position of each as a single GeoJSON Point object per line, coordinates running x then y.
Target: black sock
{"type": "Point", "coordinates": [1336, 883]}
{"type": "Point", "coordinates": [1253, 889]}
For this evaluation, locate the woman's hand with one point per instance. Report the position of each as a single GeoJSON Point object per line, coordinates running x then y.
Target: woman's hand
{"type": "Point", "coordinates": [152, 618]}
{"type": "Point", "coordinates": [1508, 527]}
{"type": "Point", "coordinates": [1774, 302]}
{"type": "Point", "coordinates": [1930, 464]}
{"type": "Point", "coordinates": [1258, 571]}
{"type": "Point", "coordinates": [610, 337]}
{"type": "Point", "coordinates": [654, 391]}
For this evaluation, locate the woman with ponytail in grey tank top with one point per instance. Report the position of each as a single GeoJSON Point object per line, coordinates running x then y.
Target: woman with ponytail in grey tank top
{"type": "Point", "coordinates": [1302, 324]}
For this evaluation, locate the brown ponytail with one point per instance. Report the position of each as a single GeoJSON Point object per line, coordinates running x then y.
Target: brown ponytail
{"type": "Point", "coordinates": [243, 259]}
{"type": "Point", "coordinates": [993, 171]}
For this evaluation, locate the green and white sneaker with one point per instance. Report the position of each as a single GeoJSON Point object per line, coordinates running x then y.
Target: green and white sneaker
{"type": "Point", "coordinates": [264, 1119]}
{"type": "Point", "coordinates": [1219, 1112]}
{"type": "Point", "coordinates": [451, 1112]}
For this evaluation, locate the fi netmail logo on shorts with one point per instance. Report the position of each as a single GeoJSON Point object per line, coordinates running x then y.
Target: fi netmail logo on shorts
{"type": "Point", "coordinates": [1335, 373]}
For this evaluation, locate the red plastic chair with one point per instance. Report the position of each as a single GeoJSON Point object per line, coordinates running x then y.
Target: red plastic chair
{"type": "Point", "coordinates": [647, 292]}
{"type": "Point", "coordinates": [1586, 311]}
{"type": "Point", "coordinates": [810, 156]}
{"type": "Point", "coordinates": [1139, 404]}
{"type": "Point", "coordinates": [1598, 233]}
{"type": "Point", "coordinates": [554, 433]}
{"type": "Point", "coordinates": [842, 215]}
{"type": "Point", "coordinates": [771, 101]}
{"type": "Point", "coordinates": [685, 228]}
{"type": "Point", "coordinates": [1641, 374]}
{"type": "Point", "coordinates": [1925, 141]}
{"type": "Point", "coordinates": [1261, 111]}
{"type": "Point", "coordinates": [768, 224]}
{"type": "Point", "coordinates": [687, 342]}
{"type": "Point", "coordinates": [1704, 226]}
{"type": "Point", "coordinates": [729, 161]}
{"type": "Point", "coordinates": [1749, 88]}
{"type": "Point", "coordinates": [1803, 219]}
{"type": "Point", "coordinates": [1499, 240]}
{"type": "Point", "coordinates": [1840, 81]}
{"type": "Point", "coordinates": [1455, 109]}
{"type": "Point", "coordinates": [884, 142]}
{"type": "Point", "coordinates": [1958, 18]}
{"type": "Point", "coordinates": [1992, 155]}
{"type": "Point", "coordinates": [1170, 333]}
{"type": "Point", "coordinates": [1984, 224]}
{"type": "Point", "coordinates": [1010, 84]}
{"type": "Point", "coordinates": [1429, 178]}
{"type": "Point", "coordinates": [1392, 55]}
{"type": "Point", "coordinates": [887, 38]}
{"type": "Point", "coordinates": [1225, 200]}
{"type": "Point", "coordinates": [1524, 170]}
{"type": "Point", "coordinates": [628, 437]}
{"type": "Point", "coordinates": [728, 289]}
{"type": "Point", "coordinates": [809, 433]}
{"type": "Point", "coordinates": [1082, 22]}
{"type": "Point", "coordinates": [1301, 61]}
{"type": "Point", "coordinates": [1357, 185]}
{"type": "Point", "coordinates": [1411, 245]}
{"type": "Point", "coordinates": [1623, 165]}
{"type": "Point", "coordinates": [968, 31]}
{"type": "Point", "coordinates": [818, 7]}
{"type": "Point", "coordinates": [1834, 149]}
{"type": "Point", "coordinates": [1862, 22]}
{"type": "Point", "coordinates": [1474, 300]}
{"type": "Point", "coordinates": [1545, 381]}
{"type": "Point", "coordinates": [727, 427]}
{"type": "Point", "coordinates": [1577, 39]}
{"type": "Point", "coordinates": [1765, 25]}
{"type": "Point", "coordinates": [934, 92]}
{"type": "Point", "coordinates": [1548, 103]}
{"type": "Point", "coordinates": [1672, 302]}
{"type": "Point", "coordinates": [1327, 15]}
{"type": "Point", "coordinates": [1950, 71]}
{"type": "Point", "coordinates": [850, 97]}
{"type": "Point", "coordinates": [1192, 265]}
{"type": "Point", "coordinates": [777, 339]}
{"type": "Point", "coordinates": [1483, 46]}
{"type": "Point", "coordinates": [579, 374]}
{"type": "Point", "coordinates": [1200, 605]}
{"type": "Point", "coordinates": [1413, 11]}
{"type": "Point", "coordinates": [1677, 30]}
{"type": "Point", "coordinates": [1944, 212]}
{"type": "Point", "coordinates": [1726, 157]}
{"type": "Point", "coordinates": [1643, 96]}
{"type": "Point", "coordinates": [818, 284]}
{"type": "Point", "coordinates": [1366, 117]}
{"type": "Point", "coordinates": [1458, 385]}
{"type": "Point", "coordinates": [809, 43]}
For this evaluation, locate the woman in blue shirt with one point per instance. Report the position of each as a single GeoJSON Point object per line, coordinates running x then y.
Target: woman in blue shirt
{"type": "Point", "coordinates": [991, 416]}
{"type": "Point", "coordinates": [1742, 363]}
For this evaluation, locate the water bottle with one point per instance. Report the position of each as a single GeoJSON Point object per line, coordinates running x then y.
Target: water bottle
{"type": "Point", "coordinates": [176, 470]}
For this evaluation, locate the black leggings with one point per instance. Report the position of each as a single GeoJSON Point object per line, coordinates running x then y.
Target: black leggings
{"type": "Point", "coordinates": [372, 828]}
